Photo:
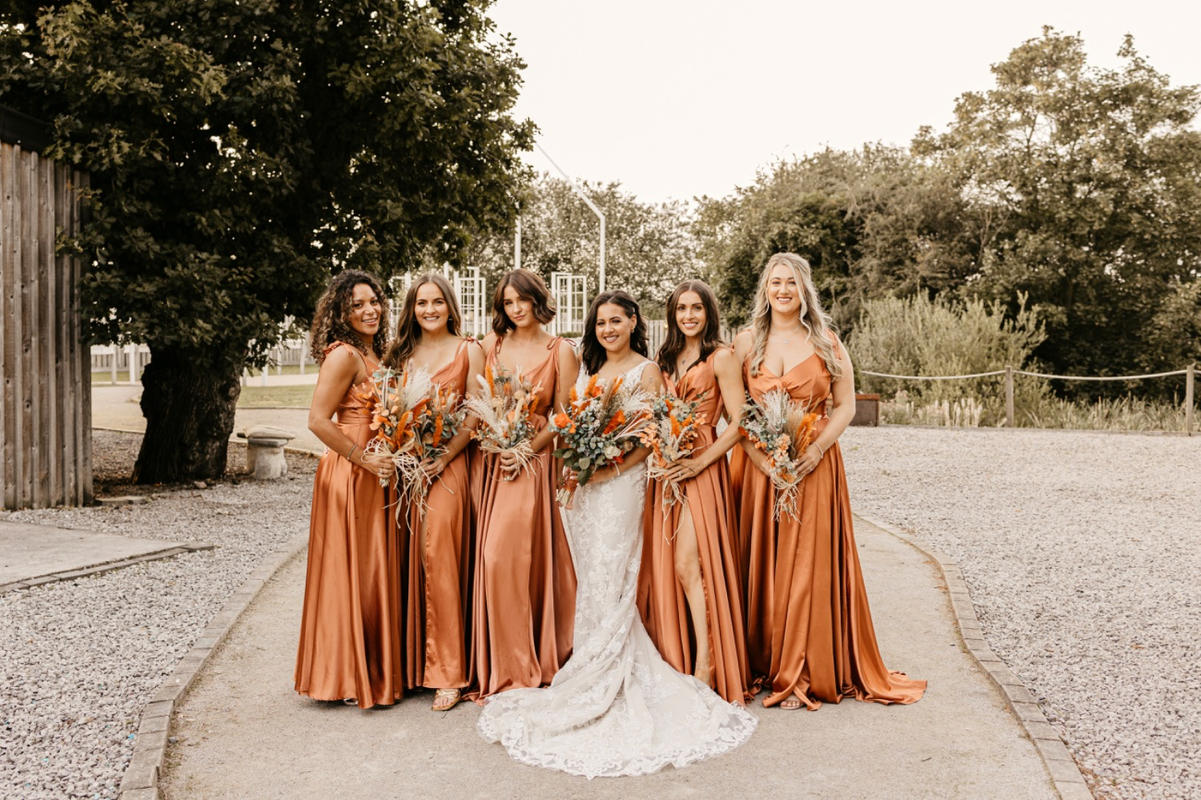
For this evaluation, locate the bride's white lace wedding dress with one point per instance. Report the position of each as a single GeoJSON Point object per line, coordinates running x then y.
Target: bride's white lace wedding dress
{"type": "Point", "coordinates": [615, 708]}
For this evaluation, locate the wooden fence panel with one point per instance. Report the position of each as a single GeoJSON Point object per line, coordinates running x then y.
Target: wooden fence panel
{"type": "Point", "coordinates": [45, 370]}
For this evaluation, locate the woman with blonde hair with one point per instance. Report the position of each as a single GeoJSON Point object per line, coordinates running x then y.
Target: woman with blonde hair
{"type": "Point", "coordinates": [439, 541]}
{"type": "Point", "coordinates": [809, 628]}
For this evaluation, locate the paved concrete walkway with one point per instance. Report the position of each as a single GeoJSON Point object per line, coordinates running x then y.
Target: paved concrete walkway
{"type": "Point", "coordinates": [32, 551]}
{"type": "Point", "coordinates": [242, 732]}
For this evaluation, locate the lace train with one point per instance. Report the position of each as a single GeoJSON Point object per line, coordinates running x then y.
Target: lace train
{"type": "Point", "coordinates": [615, 708]}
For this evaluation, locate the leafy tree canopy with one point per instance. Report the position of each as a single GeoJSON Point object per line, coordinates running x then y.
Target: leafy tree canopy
{"type": "Point", "coordinates": [242, 150]}
{"type": "Point", "coordinates": [1085, 186]}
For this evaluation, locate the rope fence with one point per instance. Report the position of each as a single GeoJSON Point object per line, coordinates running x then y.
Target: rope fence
{"type": "Point", "coordinates": [1189, 373]}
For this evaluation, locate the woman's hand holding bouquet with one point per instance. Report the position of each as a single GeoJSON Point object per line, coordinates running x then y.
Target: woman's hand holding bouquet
{"type": "Point", "coordinates": [782, 429]}
{"type": "Point", "coordinates": [504, 408]}
{"type": "Point", "coordinates": [597, 430]}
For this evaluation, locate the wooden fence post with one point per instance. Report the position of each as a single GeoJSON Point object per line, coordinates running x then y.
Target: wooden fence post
{"type": "Point", "coordinates": [1009, 422]}
{"type": "Point", "coordinates": [1190, 373]}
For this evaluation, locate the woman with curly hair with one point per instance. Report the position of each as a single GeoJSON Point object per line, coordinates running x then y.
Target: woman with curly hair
{"type": "Point", "coordinates": [350, 644]}
{"type": "Point", "coordinates": [439, 540]}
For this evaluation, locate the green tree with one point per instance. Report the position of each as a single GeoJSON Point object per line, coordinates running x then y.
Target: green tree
{"type": "Point", "coordinates": [1083, 184]}
{"type": "Point", "coordinates": [242, 150]}
{"type": "Point", "coordinates": [871, 222]}
{"type": "Point", "coordinates": [649, 246]}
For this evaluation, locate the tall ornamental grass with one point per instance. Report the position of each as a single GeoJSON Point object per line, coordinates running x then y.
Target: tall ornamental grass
{"type": "Point", "coordinates": [919, 336]}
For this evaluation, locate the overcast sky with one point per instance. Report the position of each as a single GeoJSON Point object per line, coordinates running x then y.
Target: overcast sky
{"type": "Point", "coordinates": [676, 98]}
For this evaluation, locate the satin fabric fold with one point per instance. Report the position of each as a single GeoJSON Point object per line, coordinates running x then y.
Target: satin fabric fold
{"type": "Point", "coordinates": [809, 627]}
{"type": "Point", "coordinates": [439, 575]}
{"type": "Point", "coordinates": [350, 641]}
{"type": "Point", "coordinates": [661, 599]}
{"type": "Point", "coordinates": [524, 584]}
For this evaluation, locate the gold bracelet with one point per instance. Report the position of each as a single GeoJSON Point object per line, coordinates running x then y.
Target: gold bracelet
{"type": "Point", "coordinates": [350, 452]}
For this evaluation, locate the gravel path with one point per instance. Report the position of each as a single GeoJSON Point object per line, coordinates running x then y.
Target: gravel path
{"type": "Point", "coordinates": [78, 659]}
{"type": "Point", "coordinates": [1083, 555]}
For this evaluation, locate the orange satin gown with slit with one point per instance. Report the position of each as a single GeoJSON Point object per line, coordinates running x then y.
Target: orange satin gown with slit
{"type": "Point", "coordinates": [350, 640]}
{"type": "Point", "coordinates": [525, 583]}
{"type": "Point", "coordinates": [661, 599]}
{"type": "Point", "coordinates": [809, 628]}
{"type": "Point", "coordinates": [438, 602]}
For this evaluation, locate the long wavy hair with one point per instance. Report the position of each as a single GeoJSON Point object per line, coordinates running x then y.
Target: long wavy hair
{"type": "Point", "coordinates": [675, 340]}
{"type": "Point", "coordinates": [408, 330]}
{"type": "Point", "coordinates": [592, 353]}
{"type": "Point", "coordinates": [529, 286]}
{"type": "Point", "coordinates": [330, 318]}
{"type": "Point", "coordinates": [814, 320]}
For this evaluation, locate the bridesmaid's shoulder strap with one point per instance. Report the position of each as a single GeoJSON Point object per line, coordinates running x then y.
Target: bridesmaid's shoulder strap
{"type": "Point", "coordinates": [834, 343]}
{"type": "Point", "coordinates": [331, 347]}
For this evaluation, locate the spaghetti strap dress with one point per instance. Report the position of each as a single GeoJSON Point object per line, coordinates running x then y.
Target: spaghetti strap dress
{"type": "Point", "coordinates": [661, 599]}
{"type": "Point", "coordinates": [809, 628]}
{"type": "Point", "coordinates": [439, 569]}
{"type": "Point", "coordinates": [350, 639]}
{"type": "Point", "coordinates": [524, 583]}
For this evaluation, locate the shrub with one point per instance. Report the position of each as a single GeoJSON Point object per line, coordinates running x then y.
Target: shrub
{"type": "Point", "coordinates": [920, 336]}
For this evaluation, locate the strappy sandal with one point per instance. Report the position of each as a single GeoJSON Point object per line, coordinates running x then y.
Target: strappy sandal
{"type": "Point", "coordinates": [791, 703]}
{"type": "Point", "coordinates": [446, 699]}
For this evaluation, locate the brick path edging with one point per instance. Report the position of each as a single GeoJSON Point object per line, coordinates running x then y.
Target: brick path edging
{"type": "Point", "coordinates": [140, 781]}
{"type": "Point", "coordinates": [1065, 774]}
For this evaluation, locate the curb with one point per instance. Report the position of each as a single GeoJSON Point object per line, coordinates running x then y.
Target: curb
{"type": "Point", "coordinates": [1065, 773]}
{"type": "Point", "coordinates": [140, 781]}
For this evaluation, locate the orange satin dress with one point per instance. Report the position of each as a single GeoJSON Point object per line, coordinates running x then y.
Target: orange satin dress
{"type": "Point", "coordinates": [809, 628]}
{"type": "Point", "coordinates": [524, 603]}
{"type": "Point", "coordinates": [438, 601]}
{"type": "Point", "coordinates": [350, 640]}
{"type": "Point", "coordinates": [661, 599]}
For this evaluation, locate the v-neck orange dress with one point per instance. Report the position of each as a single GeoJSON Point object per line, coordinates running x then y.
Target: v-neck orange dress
{"type": "Point", "coordinates": [350, 628]}
{"type": "Point", "coordinates": [809, 628]}
{"type": "Point", "coordinates": [661, 599]}
{"type": "Point", "coordinates": [438, 597]}
{"type": "Point", "coordinates": [524, 603]}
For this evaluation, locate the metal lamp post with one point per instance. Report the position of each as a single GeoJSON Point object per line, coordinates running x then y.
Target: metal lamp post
{"type": "Point", "coordinates": [588, 202]}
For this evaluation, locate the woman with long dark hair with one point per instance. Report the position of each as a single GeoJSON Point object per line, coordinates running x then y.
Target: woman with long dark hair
{"type": "Point", "coordinates": [809, 628]}
{"type": "Point", "coordinates": [524, 585]}
{"type": "Point", "coordinates": [689, 590]}
{"type": "Point", "coordinates": [616, 707]}
{"type": "Point", "coordinates": [439, 542]}
{"type": "Point", "coordinates": [350, 644]}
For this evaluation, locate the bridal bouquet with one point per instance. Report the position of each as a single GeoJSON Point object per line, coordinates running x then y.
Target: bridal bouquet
{"type": "Point", "coordinates": [599, 427]}
{"type": "Point", "coordinates": [782, 429]}
{"type": "Point", "coordinates": [436, 424]}
{"type": "Point", "coordinates": [505, 410]}
{"type": "Point", "coordinates": [397, 400]}
{"type": "Point", "coordinates": [671, 436]}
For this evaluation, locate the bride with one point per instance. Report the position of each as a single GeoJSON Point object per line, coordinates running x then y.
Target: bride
{"type": "Point", "coordinates": [615, 708]}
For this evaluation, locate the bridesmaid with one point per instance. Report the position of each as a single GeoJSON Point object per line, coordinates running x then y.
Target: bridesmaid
{"type": "Point", "coordinates": [809, 629]}
{"type": "Point", "coordinates": [524, 584]}
{"type": "Point", "coordinates": [350, 647]}
{"type": "Point", "coordinates": [439, 544]}
{"type": "Point", "coordinates": [689, 592]}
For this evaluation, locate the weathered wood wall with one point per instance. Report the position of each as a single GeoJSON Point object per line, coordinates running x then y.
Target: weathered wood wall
{"type": "Point", "coordinates": [45, 366]}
